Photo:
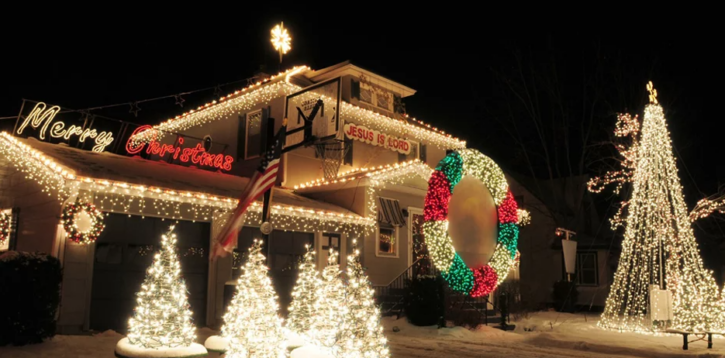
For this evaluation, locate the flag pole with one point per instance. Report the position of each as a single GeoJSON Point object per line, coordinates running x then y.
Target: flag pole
{"type": "Point", "coordinates": [268, 193]}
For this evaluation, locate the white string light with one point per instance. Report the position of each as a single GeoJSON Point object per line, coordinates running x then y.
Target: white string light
{"type": "Point", "coordinates": [659, 247]}
{"type": "Point", "coordinates": [252, 323]}
{"type": "Point", "coordinates": [148, 200]}
{"type": "Point", "coordinates": [162, 316]}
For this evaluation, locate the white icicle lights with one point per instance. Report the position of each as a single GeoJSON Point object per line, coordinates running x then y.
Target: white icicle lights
{"type": "Point", "coordinates": [252, 322]}
{"type": "Point", "coordinates": [162, 317]}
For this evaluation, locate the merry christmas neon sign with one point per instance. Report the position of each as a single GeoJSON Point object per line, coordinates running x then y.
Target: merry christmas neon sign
{"type": "Point", "coordinates": [42, 117]}
{"type": "Point", "coordinates": [196, 155]}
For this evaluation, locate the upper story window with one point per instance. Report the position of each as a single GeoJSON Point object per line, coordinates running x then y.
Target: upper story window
{"type": "Point", "coordinates": [417, 151]}
{"type": "Point", "coordinates": [383, 100]}
{"type": "Point", "coordinates": [366, 95]}
{"type": "Point", "coordinates": [253, 140]}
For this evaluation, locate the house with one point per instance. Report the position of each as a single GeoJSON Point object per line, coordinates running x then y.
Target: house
{"type": "Point", "coordinates": [565, 203]}
{"type": "Point", "coordinates": [190, 170]}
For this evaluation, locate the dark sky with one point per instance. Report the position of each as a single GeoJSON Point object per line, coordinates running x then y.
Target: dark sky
{"type": "Point", "coordinates": [87, 60]}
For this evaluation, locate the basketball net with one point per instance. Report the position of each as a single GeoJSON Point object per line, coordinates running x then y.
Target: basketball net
{"type": "Point", "coordinates": [331, 155]}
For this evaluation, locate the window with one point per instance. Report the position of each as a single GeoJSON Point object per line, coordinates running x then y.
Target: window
{"type": "Point", "coordinates": [366, 95]}
{"type": "Point", "coordinates": [207, 143]}
{"type": "Point", "coordinates": [8, 220]}
{"type": "Point", "coordinates": [387, 245]}
{"type": "Point", "coordinates": [423, 153]}
{"type": "Point", "coordinates": [586, 267]}
{"type": "Point", "coordinates": [331, 241]}
{"type": "Point", "coordinates": [383, 100]}
{"type": "Point", "coordinates": [347, 144]}
{"type": "Point", "coordinates": [410, 156]}
{"type": "Point", "coordinates": [253, 142]}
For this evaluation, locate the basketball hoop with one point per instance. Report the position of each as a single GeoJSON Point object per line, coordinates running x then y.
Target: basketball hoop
{"type": "Point", "coordinates": [331, 155]}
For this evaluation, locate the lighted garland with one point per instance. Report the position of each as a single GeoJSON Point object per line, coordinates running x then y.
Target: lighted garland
{"type": "Point", "coordinates": [69, 217]}
{"type": "Point", "coordinates": [4, 226]}
{"type": "Point", "coordinates": [482, 280]}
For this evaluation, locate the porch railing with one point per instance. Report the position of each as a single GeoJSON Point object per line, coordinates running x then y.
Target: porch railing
{"type": "Point", "coordinates": [459, 307]}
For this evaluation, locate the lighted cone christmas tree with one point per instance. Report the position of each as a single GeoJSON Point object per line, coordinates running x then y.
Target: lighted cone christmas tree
{"type": "Point", "coordinates": [252, 323]}
{"type": "Point", "coordinates": [162, 319]}
{"type": "Point", "coordinates": [362, 334]}
{"type": "Point", "coordinates": [330, 306]}
{"type": "Point", "coordinates": [302, 311]}
{"type": "Point", "coordinates": [659, 249]}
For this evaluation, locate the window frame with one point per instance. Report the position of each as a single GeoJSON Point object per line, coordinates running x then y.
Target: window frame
{"type": "Point", "coordinates": [579, 271]}
{"type": "Point", "coordinates": [246, 133]}
{"type": "Point", "coordinates": [404, 157]}
{"type": "Point", "coordinates": [325, 245]}
{"type": "Point", "coordinates": [396, 234]}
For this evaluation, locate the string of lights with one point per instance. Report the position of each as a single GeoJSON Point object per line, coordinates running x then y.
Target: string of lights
{"type": "Point", "coordinates": [659, 248]}
{"type": "Point", "coordinates": [162, 318]}
{"type": "Point", "coordinates": [479, 281]}
{"type": "Point", "coordinates": [165, 203]}
{"type": "Point", "coordinates": [252, 323]}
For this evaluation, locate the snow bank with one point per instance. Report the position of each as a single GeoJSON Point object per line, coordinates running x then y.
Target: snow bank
{"type": "Point", "coordinates": [217, 344]}
{"type": "Point", "coordinates": [580, 332]}
{"type": "Point", "coordinates": [310, 352]}
{"type": "Point", "coordinates": [294, 340]}
{"type": "Point", "coordinates": [126, 349]}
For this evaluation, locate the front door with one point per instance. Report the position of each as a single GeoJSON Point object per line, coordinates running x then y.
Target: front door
{"type": "Point", "coordinates": [417, 250]}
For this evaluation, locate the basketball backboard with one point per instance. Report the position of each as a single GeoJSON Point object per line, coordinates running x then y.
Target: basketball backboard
{"type": "Point", "coordinates": [326, 122]}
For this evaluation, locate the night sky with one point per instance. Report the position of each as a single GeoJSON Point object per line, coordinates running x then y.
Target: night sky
{"type": "Point", "coordinates": [86, 61]}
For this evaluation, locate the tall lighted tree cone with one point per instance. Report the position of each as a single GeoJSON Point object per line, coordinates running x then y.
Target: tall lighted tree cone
{"type": "Point", "coordinates": [659, 247]}
{"type": "Point", "coordinates": [162, 318]}
{"type": "Point", "coordinates": [302, 311]}
{"type": "Point", "coordinates": [362, 334]}
{"type": "Point", "coordinates": [252, 322]}
{"type": "Point", "coordinates": [330, 306]}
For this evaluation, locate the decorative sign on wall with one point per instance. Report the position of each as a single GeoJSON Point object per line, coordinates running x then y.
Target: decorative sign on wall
{"type": "Point", "coordinates": [42, 117]}
{"type": "Point", "coordinates": [196, 155]}
{"type": "Point", "coordinates": [370, 136]}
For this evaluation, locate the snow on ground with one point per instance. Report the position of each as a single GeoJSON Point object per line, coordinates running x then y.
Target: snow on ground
{"type": "Point", "coordinates": [541, 335]}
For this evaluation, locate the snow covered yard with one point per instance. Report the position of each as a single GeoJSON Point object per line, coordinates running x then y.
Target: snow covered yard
{"type": "Point", "coordinates": [543, 334]}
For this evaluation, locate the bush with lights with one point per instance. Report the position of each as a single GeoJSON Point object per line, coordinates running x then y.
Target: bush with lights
{"type": "Point", "coordinates": [4, 227]}
{"type": "Point", "coordinates": [302, 311]}
{"type": "Point", "coordinates": [361, 334]}
{"type": "Point", "coordinates": [252, 324]}
{"type": "Point", "coordinates": [330, 306]}
{"type": "Point", "coordinates": [161, 325]}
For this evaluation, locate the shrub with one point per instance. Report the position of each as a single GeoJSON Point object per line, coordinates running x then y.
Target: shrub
{"type": "Point", "coordinates": [29, 298]}
{"type": "Point", "coordinates": [424, 300]}
{"type": "Point", "coordinates": [565, 296]}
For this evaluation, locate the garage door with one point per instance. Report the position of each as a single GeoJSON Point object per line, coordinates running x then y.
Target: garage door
{"type": "Point", "coordinates": [123, 253]}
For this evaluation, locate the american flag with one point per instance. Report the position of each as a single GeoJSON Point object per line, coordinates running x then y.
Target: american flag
{"type": "Point", "coordinates": [263, 179]}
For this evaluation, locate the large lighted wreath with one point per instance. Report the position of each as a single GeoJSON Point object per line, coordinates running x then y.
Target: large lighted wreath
{"type": "Point", "coordinates": [4, 226]}
{"type": "Point", "coordinates": [477, 281]}
{"type": "Point", "coordinates": [83, 223]}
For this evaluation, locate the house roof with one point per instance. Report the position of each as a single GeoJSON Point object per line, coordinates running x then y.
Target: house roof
{"type": "Point", "coordinates": [281, 85]}
{"type": "Point", "coordinates": [347, 68]}
{"type": "Point", "coordinates": [77, 164]}
{"type": "Point", "coordinates": [380, 173]}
